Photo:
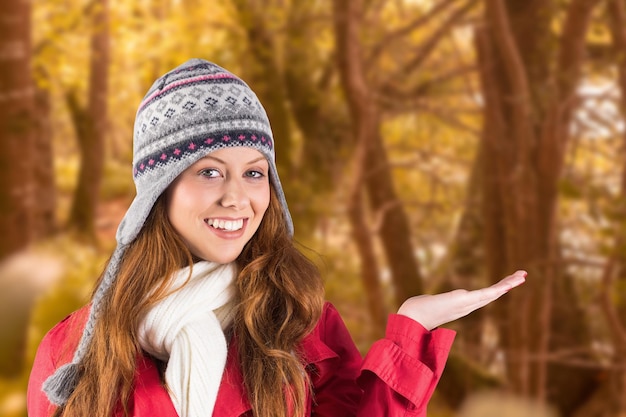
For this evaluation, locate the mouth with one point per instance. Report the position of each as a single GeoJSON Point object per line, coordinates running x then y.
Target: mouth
{"type": "Point", "coordinates": [225, 225]}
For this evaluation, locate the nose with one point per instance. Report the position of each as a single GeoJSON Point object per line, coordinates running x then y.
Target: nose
{"type": "Point", "coordinates": [234, 194]}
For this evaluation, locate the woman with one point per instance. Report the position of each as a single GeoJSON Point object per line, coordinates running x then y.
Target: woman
{"type": "Point", "coordinates": [207, 308]}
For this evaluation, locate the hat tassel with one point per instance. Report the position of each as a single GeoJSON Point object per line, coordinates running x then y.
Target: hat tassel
{"type": "Point", "coordinates": [60, 385]}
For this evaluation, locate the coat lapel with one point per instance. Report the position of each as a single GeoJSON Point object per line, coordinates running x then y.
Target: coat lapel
{"type": "Point", "coordinates": [232, 400]}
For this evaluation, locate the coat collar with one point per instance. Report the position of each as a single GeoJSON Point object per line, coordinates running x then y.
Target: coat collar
{"type": "Point", "coordinates": [232, 399]}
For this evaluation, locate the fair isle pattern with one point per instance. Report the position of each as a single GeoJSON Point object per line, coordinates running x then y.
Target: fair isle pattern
{"type": "Point", "coordinates": [219, 76]}
{"type": "Point", "coordinates": [159, 159]}
{"type": "Point", "coordinates": [202, 129]}
{"type": "Point", "coordinates": [194, 109]}
{"type": "Point", "coordinates": [189, 107]}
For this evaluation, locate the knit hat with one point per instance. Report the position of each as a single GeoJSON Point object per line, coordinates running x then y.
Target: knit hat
{"type": "Point", "coordinates": [193, 110]}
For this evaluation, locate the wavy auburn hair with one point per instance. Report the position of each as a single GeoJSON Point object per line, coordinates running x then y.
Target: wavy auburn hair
{"type": "Point", "coordinates": [280, 296]}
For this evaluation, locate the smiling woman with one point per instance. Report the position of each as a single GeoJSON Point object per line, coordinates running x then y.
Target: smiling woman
{"type": "Point", "coordinates": [206, 307]}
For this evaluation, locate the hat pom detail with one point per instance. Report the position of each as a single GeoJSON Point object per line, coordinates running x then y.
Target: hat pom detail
{"type": "Point", "coordinates": [60, 385]}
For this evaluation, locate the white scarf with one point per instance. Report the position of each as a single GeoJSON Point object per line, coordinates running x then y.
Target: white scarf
{"type": "Point", "coordinates": [186, 329]}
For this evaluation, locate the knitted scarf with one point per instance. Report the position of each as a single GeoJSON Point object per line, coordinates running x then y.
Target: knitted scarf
{"type": "Point", "coordinates": [186, 329]}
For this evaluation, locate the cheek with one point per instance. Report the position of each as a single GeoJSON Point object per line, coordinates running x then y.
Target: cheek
{"type": "Point", "coordinates": [179, 200]}
{"type": "Point", "coordinates": [263, 200]}
{"type": "Point", "coordinates": [259, 201]}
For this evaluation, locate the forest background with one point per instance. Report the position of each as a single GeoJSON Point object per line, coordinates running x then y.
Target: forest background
{"type": "Point", "coordinates": [424, 145]}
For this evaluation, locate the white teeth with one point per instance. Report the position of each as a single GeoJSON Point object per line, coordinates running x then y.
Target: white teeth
{"type": "Point", "coordinates": [228, 225]}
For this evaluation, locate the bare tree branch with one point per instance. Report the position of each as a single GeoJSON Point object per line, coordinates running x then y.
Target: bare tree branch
{"type": "Point", "coordinates": [507, 48]}
{"type": "Point", "coordinates": [407, 29]}
{"type": "Point", "coordinates": [572, 46]}
{"type": "Point", "coordinates": [445, 114]}
{"type": "Point", "coordinates": [363, 116]}
{"type": "Point", "coordinates": [426, 48]}
{"type": "Point", "coordinates": [616, 261]}
{"type": "Point", "coordinates": [399, 91]}
{"type": "Point", "coordinates": [606, 302]}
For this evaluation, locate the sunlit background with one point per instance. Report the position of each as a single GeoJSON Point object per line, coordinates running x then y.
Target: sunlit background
{"type": "Point", "coordinates": [423, 146]}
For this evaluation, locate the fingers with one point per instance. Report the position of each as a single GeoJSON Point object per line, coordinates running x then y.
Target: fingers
{"type": "Point", "coordinates": [486, 295]}
{"type": "Point", "coordinates": [514, 280]}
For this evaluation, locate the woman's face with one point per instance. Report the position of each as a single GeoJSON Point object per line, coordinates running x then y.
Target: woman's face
{"type": "Point", "coordinates": [217, 204]}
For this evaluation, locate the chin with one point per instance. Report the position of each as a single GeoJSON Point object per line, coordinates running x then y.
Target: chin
{"type": "Point", "coordinates": [219, 259]}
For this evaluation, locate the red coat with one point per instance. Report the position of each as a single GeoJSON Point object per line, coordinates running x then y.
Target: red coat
{"type": "Point", "coordinates": [396, 378]}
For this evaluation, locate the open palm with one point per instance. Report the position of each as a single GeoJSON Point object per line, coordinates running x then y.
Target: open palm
{"type": "Point", "coordinates": [435, 310]}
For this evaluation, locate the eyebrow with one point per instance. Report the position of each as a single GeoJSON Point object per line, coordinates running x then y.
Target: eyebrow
{"type": "Point", "coordinates": [209, 156]}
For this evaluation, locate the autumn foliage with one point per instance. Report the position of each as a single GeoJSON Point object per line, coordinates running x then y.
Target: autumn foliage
{"type": "Point", "coordinates": [422, 145]}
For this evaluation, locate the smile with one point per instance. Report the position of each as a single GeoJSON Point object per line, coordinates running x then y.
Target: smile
{"type": "Point", "coordinates": [228, 225]}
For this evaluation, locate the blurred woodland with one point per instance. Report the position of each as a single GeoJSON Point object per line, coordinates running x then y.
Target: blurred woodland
{"type": "Point", "coordinates": [424, 145]}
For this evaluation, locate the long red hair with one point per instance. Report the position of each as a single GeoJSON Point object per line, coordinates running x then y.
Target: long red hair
{"type": "Point", "coordinates": [280, 300]}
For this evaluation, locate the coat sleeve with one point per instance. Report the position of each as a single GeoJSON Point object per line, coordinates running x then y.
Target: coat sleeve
{"type": "Point", "coordinates": [400, 372]}
{"type": "Point", "coordinates": [55, 349]}
{"type": "Point", "coordinates": [397, 377]}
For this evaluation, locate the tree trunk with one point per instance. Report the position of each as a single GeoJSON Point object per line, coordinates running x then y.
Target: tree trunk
{"type": "Point", "coordinates": [91, 126]}
{"type": "Point", "coordinates": [320, 114]}
{"type": "Point", "coordinates": [464, 267]}
{"type": "Point", "coordinates": [374, 170]}
{"type": "Point", "coordinates": [362, 238]}
{"type": "Point", "coordinates": [527, 111]}
{"type": "Point", "coordinates": [394, 229]}
{"type": "Point", "coordinates": [612, 399]}
{"type": "Point", "coordinates": [17, 160]}
{"type": "Point", "coordinates": [364, 125]}
{"type": "Point", "coordinates": [45, 223]}
{"type": "Point", "coordinates": [17, 128]}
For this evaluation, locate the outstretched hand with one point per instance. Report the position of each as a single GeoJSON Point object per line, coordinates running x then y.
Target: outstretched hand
{"type": "Point", "coordinates": [435, 310]}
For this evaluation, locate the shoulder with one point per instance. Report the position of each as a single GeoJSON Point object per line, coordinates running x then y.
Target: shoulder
{"type": "Point", "coordinates": [329, 339]}
{"type": "Point", "coordinates": [330, 322]}
{"type": "Point", "coordinates": [61, 341]}
{"type": "Point", "coordinates": [55, 349]}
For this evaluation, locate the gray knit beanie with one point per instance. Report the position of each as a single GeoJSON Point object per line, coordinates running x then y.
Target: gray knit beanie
{"type": "Point", "coordinates": [193, 110]}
